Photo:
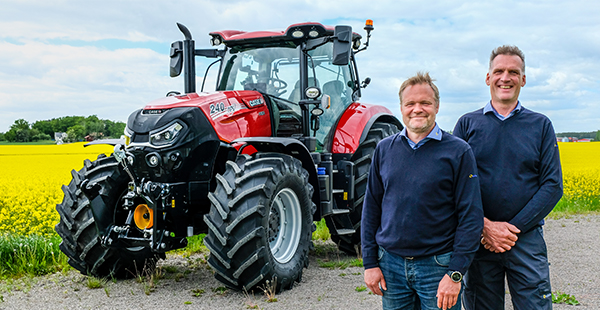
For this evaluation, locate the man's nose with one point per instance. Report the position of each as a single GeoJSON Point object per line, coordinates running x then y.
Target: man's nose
{"type": "Point", "coordinates": [418, 108]}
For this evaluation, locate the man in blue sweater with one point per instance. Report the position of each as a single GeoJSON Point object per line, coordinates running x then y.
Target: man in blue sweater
{"type": "Point", "coordinates": [422, 215]}
{"type": "Point", "coordinates": [521, 182]}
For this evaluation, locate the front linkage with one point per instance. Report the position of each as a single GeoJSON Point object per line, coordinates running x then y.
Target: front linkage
{"type": "Point", "coordinates": [149, 205]}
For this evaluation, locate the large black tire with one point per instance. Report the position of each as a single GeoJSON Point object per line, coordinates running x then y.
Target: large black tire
{"type": "Point", "coordinates": [260, 222]}
{"type": "Point", "coordinates": [77, 226]}
{"type": "Point", "coordinates": [362, 158]}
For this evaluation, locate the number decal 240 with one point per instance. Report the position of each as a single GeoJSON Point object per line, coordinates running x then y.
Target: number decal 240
{"type": "Point", "coordinates": [217, 107]}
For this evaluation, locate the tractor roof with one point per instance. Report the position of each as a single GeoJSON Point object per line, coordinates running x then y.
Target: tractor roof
{"type": "Point", "coordinates": [293, 34]}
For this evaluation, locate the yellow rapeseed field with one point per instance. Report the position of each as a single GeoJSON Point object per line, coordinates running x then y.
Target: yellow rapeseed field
{"type": "Point", "coordinates": [581, 173]}
{"type": "Point", "coordinates": [31, 177]}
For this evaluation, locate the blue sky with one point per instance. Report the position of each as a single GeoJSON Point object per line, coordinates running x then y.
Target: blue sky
{"type": "Point", "coordinates": [109, 58]}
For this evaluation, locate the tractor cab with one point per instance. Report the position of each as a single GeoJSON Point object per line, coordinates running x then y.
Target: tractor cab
{"type": "Point", "coordinates": [306, 74]}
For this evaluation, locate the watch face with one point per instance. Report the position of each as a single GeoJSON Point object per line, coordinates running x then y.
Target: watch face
{"type": "Point", "coordinates": [456, 276]}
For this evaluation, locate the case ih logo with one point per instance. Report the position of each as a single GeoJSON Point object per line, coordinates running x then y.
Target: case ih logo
{"type": "Point", "coordinates": [255, 102]}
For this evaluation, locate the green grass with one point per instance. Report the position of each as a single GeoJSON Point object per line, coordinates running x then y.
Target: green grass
{"type": "Point", "coordinates": [195, 245]}
{"type": "Point", "coordinates": [576, 206]}
{"type": "Point", "coordinates": [322, 232]}
{"type": "Point", "coordinates": [340, 263]}
{"type": "Point", "coordinates": [42, 142]}
{"type": "Point", "coordinates": [36, 255]}
{"type": "Point", "coordinates": [559, 297]}
{"type": "Point", "coordinates": [30, 256]}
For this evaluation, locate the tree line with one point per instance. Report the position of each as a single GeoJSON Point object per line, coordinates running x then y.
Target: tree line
{"type": "Point", "coordinates": [77, 128]}
{"type": "Point", "coordinates": [581, 135]}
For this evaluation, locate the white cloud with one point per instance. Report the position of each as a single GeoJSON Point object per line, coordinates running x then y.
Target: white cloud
{"type": "Point", "coordinates": [41, 79]}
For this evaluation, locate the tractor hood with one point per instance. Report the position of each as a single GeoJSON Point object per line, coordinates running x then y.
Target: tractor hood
{"type": "Point", "coordinates": [231, 114]}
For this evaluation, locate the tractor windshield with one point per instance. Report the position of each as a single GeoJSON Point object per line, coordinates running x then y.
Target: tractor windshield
{"type": "Point", "coordinates": [275, 71]}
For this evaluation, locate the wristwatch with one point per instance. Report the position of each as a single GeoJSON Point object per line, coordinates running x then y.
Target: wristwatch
{"type": "Point", "coordinates": [455, 276]}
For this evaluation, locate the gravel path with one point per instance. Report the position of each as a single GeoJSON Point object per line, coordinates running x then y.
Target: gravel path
{"type": "Point", "coordinates": [188, 283]}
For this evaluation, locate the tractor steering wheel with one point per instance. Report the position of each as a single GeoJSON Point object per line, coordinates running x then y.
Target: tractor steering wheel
{"type": "Point", "coordinates": [277, 84]}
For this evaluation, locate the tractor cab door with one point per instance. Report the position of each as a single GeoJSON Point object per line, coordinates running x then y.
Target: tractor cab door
{"type": "Point", "coordinates": [336, 81]}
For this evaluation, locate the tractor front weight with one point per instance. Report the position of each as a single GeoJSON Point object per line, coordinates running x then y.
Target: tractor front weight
{"type": "Point", "coordinates": [150, 209]}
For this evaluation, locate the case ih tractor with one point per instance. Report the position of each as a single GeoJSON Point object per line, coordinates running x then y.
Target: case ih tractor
{"type": "Point", "coordinates": [282, 142]}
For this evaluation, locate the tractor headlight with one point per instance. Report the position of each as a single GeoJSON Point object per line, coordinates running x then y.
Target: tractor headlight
{"type": "Point", "coordinates": [297, 34]}
{"type": "Point", "coordinates": [166, 136]}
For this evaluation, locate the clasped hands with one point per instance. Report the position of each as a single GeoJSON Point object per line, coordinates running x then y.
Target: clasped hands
{"type": "Point", "coordinates": [498, 237]}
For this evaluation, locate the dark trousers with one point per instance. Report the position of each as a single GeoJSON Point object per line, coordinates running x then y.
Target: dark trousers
{"type": "Point", "coordinates": [526, 269]}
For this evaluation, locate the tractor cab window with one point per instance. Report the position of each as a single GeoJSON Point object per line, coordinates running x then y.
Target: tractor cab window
{"type": "Point", "coordinates": [275, 72]}
{"type": "Point", "coordinates": [271, 70]}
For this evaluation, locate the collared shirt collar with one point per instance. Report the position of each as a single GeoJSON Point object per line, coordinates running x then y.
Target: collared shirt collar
{"type": "Point", "coordinates": [489, 108]}
{"type": "Point", "coordinates": [435, 134]}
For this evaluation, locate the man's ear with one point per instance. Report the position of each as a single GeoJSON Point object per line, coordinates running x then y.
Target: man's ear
{"type": "Point", "coordinates": [487, 79]}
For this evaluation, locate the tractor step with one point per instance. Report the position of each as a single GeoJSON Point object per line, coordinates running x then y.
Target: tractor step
{"type": "Point", "coordinates": [340, 211]}
{"type": "Point", "coordinates": [345, 231]}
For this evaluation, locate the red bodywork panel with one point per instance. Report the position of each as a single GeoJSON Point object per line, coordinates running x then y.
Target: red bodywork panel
{"type": "Point", "coordinates": [352, 124]}
{"type": "Point", "coordinates": [233, 114]}
{"type": "Point", "coordinates": [236, 36]}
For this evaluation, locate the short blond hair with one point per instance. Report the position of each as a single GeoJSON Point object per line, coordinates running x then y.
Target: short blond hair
{"type": "Point", "coordinates": [420, 78]}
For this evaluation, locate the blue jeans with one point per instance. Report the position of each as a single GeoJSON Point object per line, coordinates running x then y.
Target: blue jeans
{"type": "Point", "coordinates": [525, 267]}
{"type": "Point", "coordinates": [412, 283]}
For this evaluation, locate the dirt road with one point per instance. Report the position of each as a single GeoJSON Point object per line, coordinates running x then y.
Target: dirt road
{"type": "Point", "coordinates": [574, 254]}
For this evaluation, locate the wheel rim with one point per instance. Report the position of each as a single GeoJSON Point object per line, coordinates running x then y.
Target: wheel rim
{"type": "Point", "coordinates": [285, 225]}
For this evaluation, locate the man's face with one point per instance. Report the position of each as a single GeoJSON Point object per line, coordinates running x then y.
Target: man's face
{"type": "Point", "coordinates": [419, 108]}
{"type": "Point", "coordinates": [505, 79]}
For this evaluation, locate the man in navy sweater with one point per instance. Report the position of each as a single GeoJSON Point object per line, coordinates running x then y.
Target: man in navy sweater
{"type": "Point", "coordinates": [521, 182]}
{"type": "Point", "coordinates": [422, 215]}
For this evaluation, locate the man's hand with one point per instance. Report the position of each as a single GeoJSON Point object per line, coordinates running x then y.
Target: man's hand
{"type": "Point", "coordinates": [374, 280]}
{"type": "Point", "coordinates": [447, 293]}
{"type": "Point", "coordinates": [499, 237]}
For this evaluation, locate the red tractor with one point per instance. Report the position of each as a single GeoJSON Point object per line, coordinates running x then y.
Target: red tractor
{"type": "Point", "coordinates": [282, 142]}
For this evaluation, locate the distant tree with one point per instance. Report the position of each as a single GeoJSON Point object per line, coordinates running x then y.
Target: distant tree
{"type": "Point", "coordinates": [20, 124]}
{"type": "Point", "coordinates": [578, 135]}
{"type": "Point", "coordinates": [10, 136]}
{"type": "Point", "coordinates": [75, 133]}
{"type": "Point", "coordinates": [78, 127]}
{"type": "Point", "coordinates": [22, 135]}
{"type": "Point", "coordinates": [19, 131]}
{"type": "Point", "coordinates": [2, 136]}
{"type": "Point", "coordinates": [114, 129]}
{"type": "Point", "coordinates": [93, 125]}
{"type": "Point", "coordinates": [36, 135]}
{"type": "Point", "coordinates": [597, 138]}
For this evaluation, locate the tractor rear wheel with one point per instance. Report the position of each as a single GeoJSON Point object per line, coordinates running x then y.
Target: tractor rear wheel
{"type": "Point", "coordinates": [260, 222]}
{"type": "Point", "coordinates": [362, 162]}
{"type": "Point", "coordinates": [77, 226]}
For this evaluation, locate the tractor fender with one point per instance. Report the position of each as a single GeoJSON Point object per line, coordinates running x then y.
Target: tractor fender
{"type": "Point", "coordinates": [355, 123]}
{"type": "Point", "coordinates": [112, 142]}
{"type": "Point", "coordinates": [289, 146]}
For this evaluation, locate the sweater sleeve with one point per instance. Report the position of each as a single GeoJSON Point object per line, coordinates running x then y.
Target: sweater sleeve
{"type": "Point", "coordinates": [460, 129]}
{"type": "Point", "coordinates": [371, 213]}
{"type": "Point", "coordinates": [551, 186]}
{"type": "Point", "coordinates": [469, 211]}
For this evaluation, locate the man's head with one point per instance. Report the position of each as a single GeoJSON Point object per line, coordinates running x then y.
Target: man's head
{"type": "Point", "coordinates": [506, 74]}
{"type": "Point", "coordinates": [419, 103]}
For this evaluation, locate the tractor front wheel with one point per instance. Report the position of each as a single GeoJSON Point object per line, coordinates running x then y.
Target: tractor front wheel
{"type": "Point", "coordinates": [260, 222]}
{"type": "Point", "coordinates": [77, 226]}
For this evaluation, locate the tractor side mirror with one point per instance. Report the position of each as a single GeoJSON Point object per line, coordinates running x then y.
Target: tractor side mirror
{"type": "Point", "coordinates": [176, 58]}
{"type": "Point", "coordinates": [342, 44]}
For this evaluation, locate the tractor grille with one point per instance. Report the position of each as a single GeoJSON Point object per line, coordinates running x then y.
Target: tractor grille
{"type": "Point", "coordinates": [140, 138]}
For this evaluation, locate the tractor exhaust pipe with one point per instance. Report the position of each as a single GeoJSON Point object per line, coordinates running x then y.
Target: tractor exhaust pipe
{"type": "Point", "coordinates": [182, 57]}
